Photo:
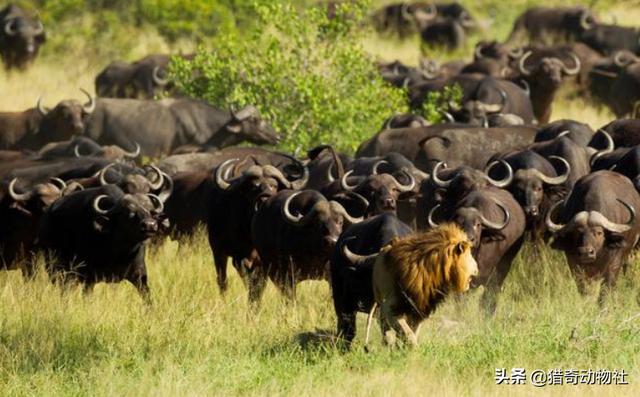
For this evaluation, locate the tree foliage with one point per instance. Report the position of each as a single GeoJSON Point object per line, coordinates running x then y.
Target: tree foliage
{"type": "Point", "coordinates": [305, 71]}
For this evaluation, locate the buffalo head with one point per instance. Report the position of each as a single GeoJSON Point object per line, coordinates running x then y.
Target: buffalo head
{"type": "Point", "coordinates": [529, 185]}
{"type": "Point", "coordinates": [588, 233]}
{"type": "Point", "coordinates": [326, 218]}
{"type": "Point", "coordinates": [382, 191]}
{"type": "Point", "coordinates": [248, 124]}
{"type": "Point", "coordinates": [474, 223]}
{"type": "Point", "coordinates": [67, 119]}
{"type": "Point", "coordinates": [548, 70]}
{"type": "Point", "coordinates": [135, 217]}
{"type": "Point", "coordinates": [20, 37]}
{"type": "Point", "coordinates": [257, 183]}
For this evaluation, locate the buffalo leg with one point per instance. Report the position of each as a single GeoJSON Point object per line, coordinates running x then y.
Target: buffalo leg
{"type": "Point", "coordinates": [257, 281]}
{"type": "Point", "coordinates": [220, 261]}
{"type": "Point", "coordinates": [494, 284]}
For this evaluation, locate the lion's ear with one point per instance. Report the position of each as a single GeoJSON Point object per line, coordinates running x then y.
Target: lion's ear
{"type": "Point", "coordinates": [460, 248]}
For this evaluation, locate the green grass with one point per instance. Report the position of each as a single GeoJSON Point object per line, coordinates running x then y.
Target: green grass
{"type": "Point", "coordinates": [193, 341]}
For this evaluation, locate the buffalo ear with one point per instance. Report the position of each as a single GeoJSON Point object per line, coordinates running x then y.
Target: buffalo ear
{"type": "Point", "coordinates": [20, 208]}
{"type": "Point", "coordinates": [101, 224]}
{"type": "Point", "coordinates": [615, 241]}
{"type": "Point", "coordinates": [235, 127]}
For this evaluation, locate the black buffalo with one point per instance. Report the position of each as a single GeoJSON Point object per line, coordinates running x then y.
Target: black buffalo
{"type": "Point", "coordinates": [495, 224]}
{"type": "Point", "coordinates": [20, 37]}
{"type": "Point", "coordinates": [294, 234]}
{"type": "Point", "coordinates": [596, 227]}
{"type": "Point", "coordinates": [351, 273]}
{"type": "Point", "coordinates": [542, 24]}
{"type": "Point", "coordinates": [159, 126]}
{"type": "Point", "coordinates": [99, 234]}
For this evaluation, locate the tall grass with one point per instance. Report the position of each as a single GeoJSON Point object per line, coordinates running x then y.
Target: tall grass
{"type": "Point", "coordinates": [192, 341]}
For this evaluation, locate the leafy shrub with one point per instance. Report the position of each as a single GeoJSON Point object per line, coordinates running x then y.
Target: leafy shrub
{"type": "Point", "coordinates": [308, 75]}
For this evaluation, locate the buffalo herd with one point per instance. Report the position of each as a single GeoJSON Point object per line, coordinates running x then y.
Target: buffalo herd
{"type": "Point", "coordinates": [91, 184]}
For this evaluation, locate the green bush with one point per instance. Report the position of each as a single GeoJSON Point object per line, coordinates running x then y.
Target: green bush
{"type": "Point", "coordinates": [308, 75]}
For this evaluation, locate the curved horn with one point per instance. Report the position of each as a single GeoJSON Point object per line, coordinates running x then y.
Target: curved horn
{"type": "Point", "coordinates": [286, 212]}
{"type": "Point", "coordinates": [551, 225]}
{"type": "Point", "coordinates": [134, 154]}
{"type": "Point", "coordinates": [155, 74]}
{"type": "Point", "coordinates": [302, 181]}
{"type": "Point", "coordinates": [39, 28]}
{"type": "Point", "coordinates": [478, 52]}
{"type": "Point", "coordinates": [610, 147]}
{"type": "Point", "coordinates": [499, 183]}
{"type": "Point", "coordinates": [387, 124]}
{"type": "Point", "coordinates": [221, 174]}
{"type": "Point", "coordinates": [586, 22]}
{"type": "Point", "coordinates": [9, 27]}
{"type": "Point", "coordinates": [339, 208]}
{"type": "Point", "coordinates": [60, 184]}
{"type": "Point", "coordinates": [103, 173]}
{"type": "Point", "coordinates": [526, 87]}
{"type": "Point", "coordinates": [273, 172]}
{"type": "Point", "coordinates": [165, 193]}
{"type": "Point", "coordinates": [521, 67]}
{"type": "Point", "coordinates": [158, 203]}
{"type": "Point", "coordinates": [91, 106]}
{"type": "Point", "coordinates": [374, 169]}
{"type": "Point", "coordinates": [576, 69]}
{"type": "Point", "coordinates": [330, 177]}
{"type": "Point", "coordinates": [432, 223]}
{"type": "Point", "coordinates": [617, 227]}
{"type": "Point", "coordinates": [497, 226]}
{"type": "Point", "coordinates": [96, 205]}
{"type": "Point", "coordinates": [41, 108]}
{"type": "Point", "coordinates": [623, 59]}
{"type": "Point", "coordinates": [494, 108]}
{"type": "Point", "coordinates": [515, 53]}
{"type": "Point", "coordinates": [447, 116]}
{"type": "Point", "coordinates": [564, 133]}
{"type": "Point", "coordinates": [344, 184]}
{"type": "Point", "coordinates": [355, 259]}
{"type": "Point", "coordinates": [76, 150]}
{"type": "Point", "coordinates": [429, 69]}
{"type": "Point", "coordinates": [18, 196]}
{"type": "Point", "coordinates": [159, 181]}
{"type": "Point", "coordinates": [436, 179]}
{"type": "Point", "coordinates": [404, 11]}
{"type": "Point", "coordinates": [408, 187]}
{"type": "Point", "coordinates": [560, 179]}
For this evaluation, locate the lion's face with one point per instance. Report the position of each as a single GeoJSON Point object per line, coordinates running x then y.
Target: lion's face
{"type": "Point", "coordinates": [466, 267]}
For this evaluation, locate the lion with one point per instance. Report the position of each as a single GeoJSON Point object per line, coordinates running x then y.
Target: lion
{"type": "Point", "coordinates": [414, 273]}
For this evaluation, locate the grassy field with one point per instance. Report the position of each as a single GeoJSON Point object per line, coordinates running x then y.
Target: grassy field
{"type": "Point", "coordinates": [194, 342]}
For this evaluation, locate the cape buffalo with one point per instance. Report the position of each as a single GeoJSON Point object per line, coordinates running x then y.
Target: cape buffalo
{"type": "Point", "coordinates": [351, 273]}
{"type": "Point", "coordinates": [495, 224]}
{"type": "Point", "coordinates": [294, 234]}
{"type": "Point", "coordinates": [231, 206]}
{"type": "Point", "coordinates": [607, 39]}
{"type": "Point", "coordinates": [159, 126]}
{"type": "Point", "coordinates": [540, 24]}
{"type": "Point", "coordinates": [426, 146]}
{"type": "Point", "coordinates": [544, 71]}
{"type": "Point", "coordinates": [596, 227]}
{"type": "Point", "coordinates": [21, 209]}
{"type": "Point", "coordinates": [34, 128]}
{"type": "Point", "coordinates": [20, 37]}
{"type": "Point", "coordinates": [98, 235]}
